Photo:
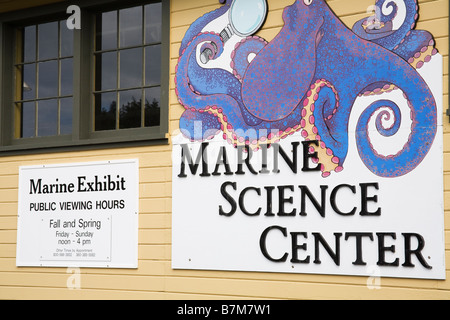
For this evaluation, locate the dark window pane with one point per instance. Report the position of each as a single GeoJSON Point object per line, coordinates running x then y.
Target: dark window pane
{"type": "Point", "coordinates": [28, 120]}
{"type": "Point", "coordinates": [130, 109]}
{"type": "Point", "coordinates": [106, 74]}
{"type": "Point", "coordinates": [130, 27]}
{"type": "Point", "coordinates": [153, 14]}
{"type": "Point", "coordinates": [107, 31]}
{"type": "Point", "coordinates": [152, 106]}
{"type": "Point", "coordinates": [49, 47]}
{"type": "Point", "coordinates": [66, 40]}
{"type": "Point", "coordinates": [153, 65]}
{"type": "Point", "coordinates": [66, 114]}
{"type": "Point", "coordinates": [29, 82]}
{"type": "Point", "coordinates": [47, 118]}
{"type": "Point", "coordinates": [29, 45]}
{"type": "Point", "coordinates": [128, 70]}
{"type": "Point", "coordinates": [66, 77]}
{"type": "Point", "coordinates": [131, 68]}
{"type": "Point", "coordinates": [105, 111]}
{"type": "Point", "coordinates": [48, 40]}
{"type": "Point", "coordinates": [48, 79]}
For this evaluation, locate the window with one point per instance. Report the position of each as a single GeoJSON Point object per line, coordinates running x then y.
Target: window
{"type": "Point", "coordinates": [104, 84]}
{"type": "Point", "coordinates": [128, 68]}
{"type": "Point", "coordinates": [44, 76]}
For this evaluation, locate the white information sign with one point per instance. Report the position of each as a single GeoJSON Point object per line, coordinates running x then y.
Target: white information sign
{"type": "Point", "coordinates": [267, 211]}
{"type": "Point", "coordinates": [79, 215]}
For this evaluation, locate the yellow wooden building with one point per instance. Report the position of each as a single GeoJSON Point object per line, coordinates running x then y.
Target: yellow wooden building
{"type": "Point", "coordinates": [77, 122]}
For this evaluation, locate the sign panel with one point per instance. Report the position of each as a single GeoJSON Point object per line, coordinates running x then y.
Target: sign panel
{"type": "Point", "coordinates": [79, 215]}
{"type": "Point", "coordinates": [319, 151]}
{"type": "Point", "coordinates": [66, 238]}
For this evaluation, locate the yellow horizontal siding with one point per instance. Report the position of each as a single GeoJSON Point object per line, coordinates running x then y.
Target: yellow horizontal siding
{"type": "Point", "coordinates": [154, 278]}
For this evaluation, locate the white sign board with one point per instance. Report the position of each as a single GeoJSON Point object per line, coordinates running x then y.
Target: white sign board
{"type": "Point", "coordinates": [235, 213]}
{"type": "Point", "coordinates": [79, 215]}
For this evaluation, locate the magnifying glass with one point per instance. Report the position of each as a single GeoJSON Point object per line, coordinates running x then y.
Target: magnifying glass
{"type": "Point", "coordinates": [246, 17]}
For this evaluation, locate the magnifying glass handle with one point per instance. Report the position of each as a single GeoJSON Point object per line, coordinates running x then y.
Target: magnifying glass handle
{"type": "Point", "coordinates": [246, 17]}
{"type": "Point", "coordinates": [226, 33]}
{"type": "Point", "coordinates": [207, 53]}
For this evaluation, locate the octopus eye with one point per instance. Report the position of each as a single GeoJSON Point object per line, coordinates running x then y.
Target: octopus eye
{"type": "Point", "coordinates": [308, 2]}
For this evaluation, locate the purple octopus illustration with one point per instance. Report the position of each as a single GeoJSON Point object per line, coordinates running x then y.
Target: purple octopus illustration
{"type": "Point", "coordinates": [306, 81]}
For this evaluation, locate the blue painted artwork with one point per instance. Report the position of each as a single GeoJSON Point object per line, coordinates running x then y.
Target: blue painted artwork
{"type": "Point", "coordinates": [306, 79]}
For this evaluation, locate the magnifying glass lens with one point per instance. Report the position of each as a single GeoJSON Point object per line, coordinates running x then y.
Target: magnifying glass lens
{"type": "Point", "coordinates": [247, 16]}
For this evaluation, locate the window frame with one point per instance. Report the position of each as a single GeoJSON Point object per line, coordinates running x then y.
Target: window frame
{"type": "Point", "coordinates": [83, 134]}
{"type": "Point", "coordinates": [36, 62]}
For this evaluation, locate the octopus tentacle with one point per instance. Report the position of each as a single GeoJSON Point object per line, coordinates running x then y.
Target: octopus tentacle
{"type": "Point", "coordinates": [392, 21]}
{"type": "Point", "coordinates": [242, 52]}
{"type": "Point", "coordinates": [313, 120]}
{"type": "Point", "coordinates": [418, 52]}
{"type": "Point", "coordinates": [417, 60]}
{"type": "Point", "coordinates": [307, 128]}
{"type": "Point", "coordinates": [392, 27]}
{"type": "Point", "coordinates": [201, 23]}
{"type": "Point", "coordinates": [366, 150]}
{"type": "Point", "coordinates": [198, 126]}
{"type": "Point", "coordinates": [187, 94]}
{"type": "Point", "coordinates": [422, 132]}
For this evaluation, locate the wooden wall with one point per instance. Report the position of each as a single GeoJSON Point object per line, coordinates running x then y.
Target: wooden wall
{"type": "Point", "coordinates": [155, 279]}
